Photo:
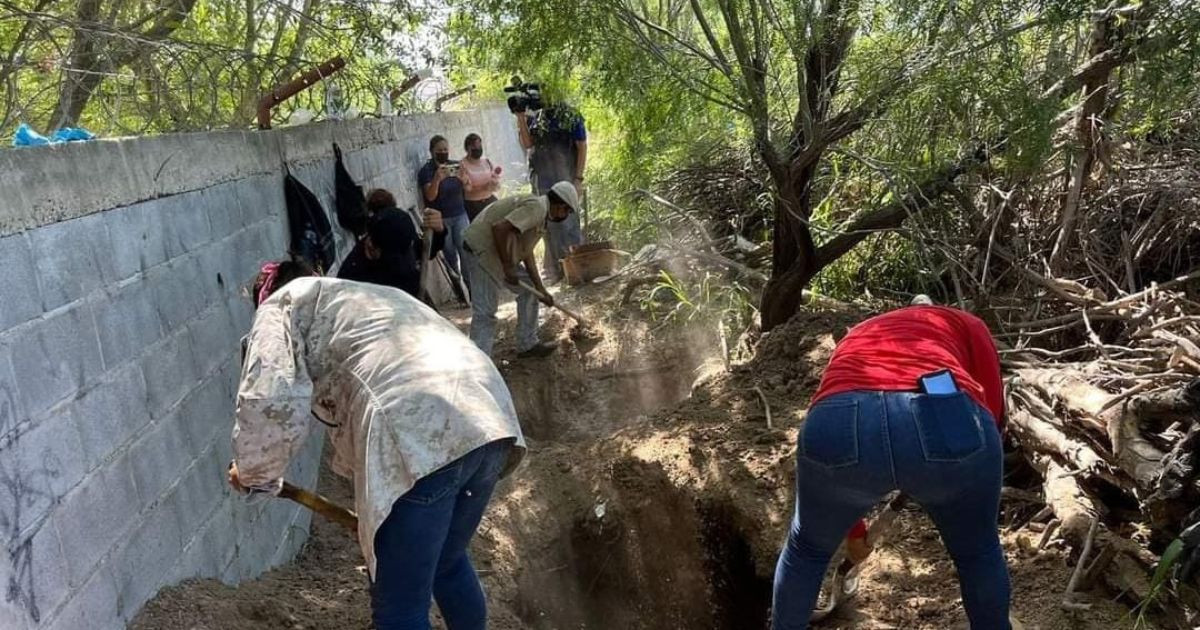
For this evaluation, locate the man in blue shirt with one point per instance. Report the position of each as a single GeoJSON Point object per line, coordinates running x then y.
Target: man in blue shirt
{"type": "Point", "coordinates": [558, 139]}
{"type": "Point", "coordinates": [442, 190]}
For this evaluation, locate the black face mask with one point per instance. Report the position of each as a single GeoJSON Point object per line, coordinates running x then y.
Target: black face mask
{"type": "Point", "coordinates": [441, 158]}
{"type": "Point", "coordinates": [475, 153]}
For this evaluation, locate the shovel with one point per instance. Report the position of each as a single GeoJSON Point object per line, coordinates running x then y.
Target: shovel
{"type": "Point", "coordinates": [843, 584]}
{"type": "Point", "coordinates": [585, 329]}
{"type": "Point", "coordinates": [322, 506]}
{"type": "Point", "coordinates": [426, 249]}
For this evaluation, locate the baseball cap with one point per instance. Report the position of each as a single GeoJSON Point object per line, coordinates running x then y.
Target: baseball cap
{"type": "Point", "coordinates": [566, 191]}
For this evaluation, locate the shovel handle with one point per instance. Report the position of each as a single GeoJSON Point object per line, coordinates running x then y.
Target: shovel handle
{"type": "Point", "coordinates": [569, 313]}
{"type": "Point", "coordinates": [321, 505]}
{"type": "Point", "coordinates": [426, 250]}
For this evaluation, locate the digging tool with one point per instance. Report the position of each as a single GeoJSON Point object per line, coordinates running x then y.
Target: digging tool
{"type": "Point", "coordinates": [842, 585]}
{"type": "Point", "coordinates": [586, 329]}
{"type": "Point", "coordinates": [322, 506]}
{"type": "Point", "coordinates": [426, 249]}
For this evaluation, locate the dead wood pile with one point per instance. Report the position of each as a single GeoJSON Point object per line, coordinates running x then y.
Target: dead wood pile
{"type": "Point", "coordinates": [1102, 349]}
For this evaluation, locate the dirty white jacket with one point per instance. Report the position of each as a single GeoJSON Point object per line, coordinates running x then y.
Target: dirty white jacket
{"type": "Point", "coordinates": [404, 391]}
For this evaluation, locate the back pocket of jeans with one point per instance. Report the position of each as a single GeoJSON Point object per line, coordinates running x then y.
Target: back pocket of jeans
{"type": "Point", "coordinates": [435, 486]}
{"type": "Point", "coordinates": [829, 436]}
{"type": "Point", "coordinates": [948, 426]}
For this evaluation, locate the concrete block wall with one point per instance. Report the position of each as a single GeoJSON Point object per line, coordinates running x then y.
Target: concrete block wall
{"type": "Point", "coordinates": [121, 308]}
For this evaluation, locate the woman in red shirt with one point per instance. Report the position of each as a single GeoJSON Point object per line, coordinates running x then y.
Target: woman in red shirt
{"type": "Point", "coordinates": [911, 401]}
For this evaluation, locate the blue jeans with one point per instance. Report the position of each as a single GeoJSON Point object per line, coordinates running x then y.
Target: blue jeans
{"type": "Point", "coordinates": [485, 299]}
{"type": "Point", "coordinates": [421, 549]}
{"type": "Point", "coordinates": [943, 451]}
{"type": "Point", "coordinates": [456, 231]}
{"type": "Point", "coordinates": [560, 237]}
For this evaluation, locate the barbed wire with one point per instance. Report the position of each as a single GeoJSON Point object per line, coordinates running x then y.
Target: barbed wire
{"type": "Point", "coordinates": [134, 83]}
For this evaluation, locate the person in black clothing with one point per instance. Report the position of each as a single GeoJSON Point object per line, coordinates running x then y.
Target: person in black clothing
{"type": "Point", "coordinates": [390, 253]}
{"type": "Point", "coordinates": [557, 140]}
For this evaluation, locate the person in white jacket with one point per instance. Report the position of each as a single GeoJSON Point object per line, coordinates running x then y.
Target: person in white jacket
{"type": "Point", "coordinates": [418, 417]}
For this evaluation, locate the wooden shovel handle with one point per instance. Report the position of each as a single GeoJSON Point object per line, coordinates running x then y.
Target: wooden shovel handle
{"type": "Point", "coordinates": [569, 313]}
{"type": "Point", "coordinates": [426, 250]}
{"type": "Point", "coordinates": [321, 505]}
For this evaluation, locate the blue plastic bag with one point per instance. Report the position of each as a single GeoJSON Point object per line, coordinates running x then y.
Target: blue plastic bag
{"type": "Point", "coordinates": [26, 137]}
{"type": "Point", "coordinates": [72, 134]}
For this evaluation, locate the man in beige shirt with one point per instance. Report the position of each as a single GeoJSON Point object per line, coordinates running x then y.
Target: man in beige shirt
{"type": "Point", "coordinates": [505, 234]}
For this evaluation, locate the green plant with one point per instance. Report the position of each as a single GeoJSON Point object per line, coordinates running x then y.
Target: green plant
{"type": "Point", "coordinates": [1158, 583]}
{"type": "Point", "coordinates": [710, 299]}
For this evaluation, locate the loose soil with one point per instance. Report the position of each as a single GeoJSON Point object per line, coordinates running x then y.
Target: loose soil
{"type": "Point", "coordinates": [654, 497]}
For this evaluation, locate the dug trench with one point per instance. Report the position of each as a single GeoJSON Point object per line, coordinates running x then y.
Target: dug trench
{"type": "Point", "coordinates": [655, 496]}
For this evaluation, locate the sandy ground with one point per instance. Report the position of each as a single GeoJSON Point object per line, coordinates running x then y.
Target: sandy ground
{"type": "Point", "coordinates": [643, 508]}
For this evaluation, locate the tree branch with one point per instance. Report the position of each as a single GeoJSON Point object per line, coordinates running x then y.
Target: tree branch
{"type": "Point", "coordinates": [893, 215]}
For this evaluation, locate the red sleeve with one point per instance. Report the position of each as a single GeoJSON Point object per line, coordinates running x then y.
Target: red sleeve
{"type": "Point", "coordinates": [859, 530]}
{"type": "Point", "coordinates": [985, 368]}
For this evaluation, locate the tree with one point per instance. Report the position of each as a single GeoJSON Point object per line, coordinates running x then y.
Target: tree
{"type": "Point", "coordinates": [168, 65]}
{"type": "Point", "coordinates": [958, 81]}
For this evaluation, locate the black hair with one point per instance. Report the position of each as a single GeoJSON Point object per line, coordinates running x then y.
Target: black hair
{"type": "Point", "coordinates": [433, 142]}
{"type": "Point", "coordinates": [471, 137]}
{"type": "Point", "coordinates": [553, 199]}
{"type": "Point", "coordinates": [288, 270]}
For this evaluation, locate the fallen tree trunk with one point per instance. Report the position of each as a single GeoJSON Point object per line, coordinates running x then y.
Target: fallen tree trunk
{"type": "Point", "coordinates": [1090, 408]}
{"type": "Point", "coordinates": [1091, 448]}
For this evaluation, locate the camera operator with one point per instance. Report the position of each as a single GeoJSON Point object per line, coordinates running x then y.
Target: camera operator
{"type": "Point", "coordinates": [558, 139]}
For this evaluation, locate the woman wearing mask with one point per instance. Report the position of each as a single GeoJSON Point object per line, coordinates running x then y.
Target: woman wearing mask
{"type": "Point", "coordinates": [481, 179]}
{"type": "Point", "coordinates": [441, 182]}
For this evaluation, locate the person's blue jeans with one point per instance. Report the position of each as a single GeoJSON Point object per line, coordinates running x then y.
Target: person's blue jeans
{"type": "Point", "coordinates": [943, 451]}
{"type": "Point", "coordinates": [421, 549]}
{"type": "Point", "coordinates": [456, 231]}
{"type": "Point", "coordinates": [560, 237]}
{"type": "Point", "coordinates": [485, 300]}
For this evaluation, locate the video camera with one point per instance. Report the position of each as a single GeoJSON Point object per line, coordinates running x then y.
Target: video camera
{"type": "Point", "coordinates": [525, 96]}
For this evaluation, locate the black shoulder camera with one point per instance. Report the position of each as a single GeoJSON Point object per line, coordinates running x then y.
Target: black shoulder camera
{"type": "Point", "coordinates": [524, 96]}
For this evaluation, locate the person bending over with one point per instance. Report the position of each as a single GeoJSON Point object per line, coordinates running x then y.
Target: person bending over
{"type": "Point", "coordinates": [500, 238]}
{"type": "Point", "coordinates": [418, 417]}
{"type": "Point", "coordinates": [390, 253]}
{"type": "Point", "coordinates": [911, 401]}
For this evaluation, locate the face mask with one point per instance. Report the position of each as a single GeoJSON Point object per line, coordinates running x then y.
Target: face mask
{"type": "Point", "coordinates": [441, 158]}
{"type": "Point", "coordinates": [475, 153]}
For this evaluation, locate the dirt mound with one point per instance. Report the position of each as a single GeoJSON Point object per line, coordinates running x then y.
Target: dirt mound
{"type": "Point", "coordinates": [638, 511]}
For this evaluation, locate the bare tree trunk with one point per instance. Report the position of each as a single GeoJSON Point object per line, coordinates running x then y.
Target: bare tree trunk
{"type": "Point", "coordinates": [794, 255]}
{"type": "Point", "coordinates": [92, 57]}
{"type": "Point", "coordinates": [82, 74]}
{"type": "Point", "coordinates": [1087, 135]}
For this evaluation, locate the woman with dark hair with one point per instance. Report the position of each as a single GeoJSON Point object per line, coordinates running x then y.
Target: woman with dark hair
{"type": "Point", "coordinates": [442, 190]}
{"type": "Point", "coordinates": [418, 418]}
{"type": "Point", "coordinates": [481, 179]}
{"type": "Point", "coordinates": [390, 253]}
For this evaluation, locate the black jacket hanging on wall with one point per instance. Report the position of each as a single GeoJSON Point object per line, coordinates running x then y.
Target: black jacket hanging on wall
{"type": "Point", "coordinates": [348, 196]}
{"type": "Point", "coordinates": [311, 233]}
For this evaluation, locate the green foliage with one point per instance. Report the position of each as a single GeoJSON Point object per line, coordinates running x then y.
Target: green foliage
{"type": "Point", "coordinates": [179, 65]}
{"type": "Point", "coordinates": [1160, 581]}
{"type": "Point", "coordinates": [709, 298]}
